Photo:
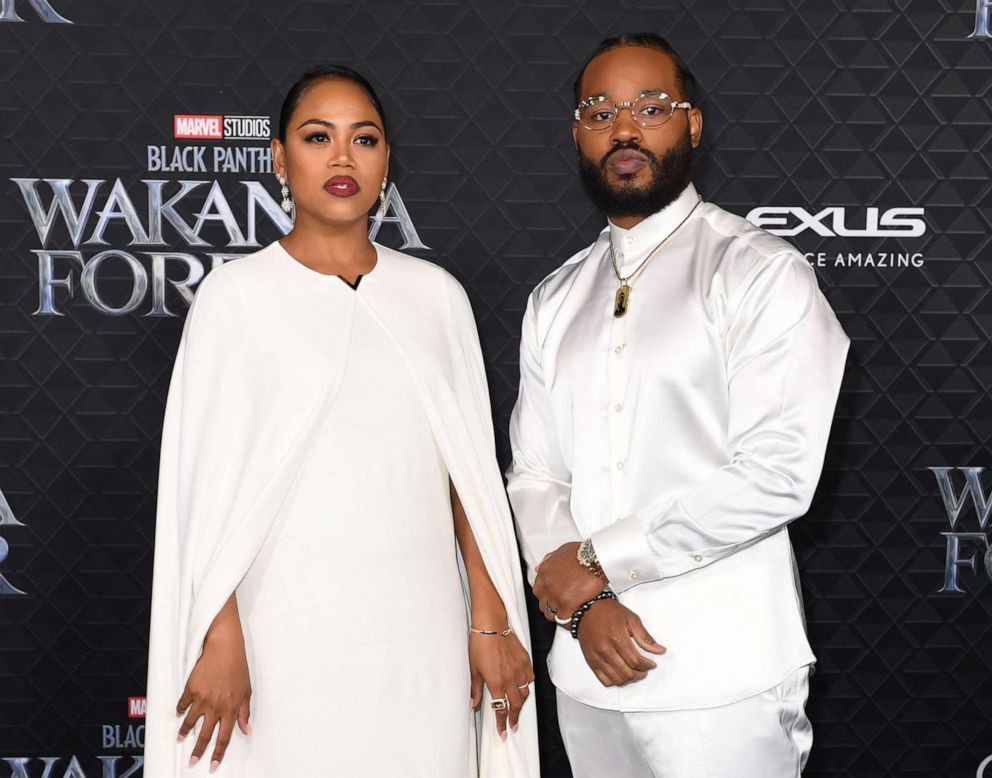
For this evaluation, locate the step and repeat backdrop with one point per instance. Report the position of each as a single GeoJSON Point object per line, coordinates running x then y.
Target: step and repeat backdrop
{"type": "Point", "coordinates": [134, 159]}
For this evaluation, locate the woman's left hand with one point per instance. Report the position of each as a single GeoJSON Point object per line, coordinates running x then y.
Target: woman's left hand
{"type": "Point", "coordinates": [504, 666]}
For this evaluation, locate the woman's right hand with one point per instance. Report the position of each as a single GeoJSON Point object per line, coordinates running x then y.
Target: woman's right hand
{"type": "Point", "coordinates": [218, 688]}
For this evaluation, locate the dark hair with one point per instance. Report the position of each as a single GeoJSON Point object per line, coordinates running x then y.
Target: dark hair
{"type": "Point", "coordinates": [314, 74]}
{"type": "Point", "coordinates": [686, 81]}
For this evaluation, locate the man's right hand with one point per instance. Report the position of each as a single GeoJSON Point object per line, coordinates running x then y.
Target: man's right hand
{"type": "Point", "coordinates": [608, 633]}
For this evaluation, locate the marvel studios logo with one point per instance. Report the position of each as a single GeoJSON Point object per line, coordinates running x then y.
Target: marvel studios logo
{"type": "Point", "coordinates": [189, 126]}
{"type": "Point", "coordinates": [136, 707]}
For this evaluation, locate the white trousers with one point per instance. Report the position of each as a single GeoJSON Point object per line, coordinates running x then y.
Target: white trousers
{"type": "Point", "coordinates": [766, 735]}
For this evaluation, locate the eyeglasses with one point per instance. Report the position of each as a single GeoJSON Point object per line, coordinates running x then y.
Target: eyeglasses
{"type": "Point", "coordinates": [650, 109]}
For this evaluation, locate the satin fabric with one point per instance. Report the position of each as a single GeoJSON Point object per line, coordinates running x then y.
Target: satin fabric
{"type": "Point", "coordinates": [682, 438]}
{"type": "Point", "coordinates": [371, 503]}
{"type": "Point", "coordinates": [246, 398]}
{"type": "Point", "coordinates": [766, 735]}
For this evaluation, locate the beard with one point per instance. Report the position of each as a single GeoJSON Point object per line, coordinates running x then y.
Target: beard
{"type": "Point", "coordinates": [669, 176]}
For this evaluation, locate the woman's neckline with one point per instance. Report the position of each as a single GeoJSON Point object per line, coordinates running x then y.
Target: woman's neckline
{"type": "Point", "coordinates": [312, 273]}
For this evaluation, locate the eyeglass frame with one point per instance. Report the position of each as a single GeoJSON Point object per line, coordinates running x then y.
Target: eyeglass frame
{"type": "Point", "coordinates": [629, 105]}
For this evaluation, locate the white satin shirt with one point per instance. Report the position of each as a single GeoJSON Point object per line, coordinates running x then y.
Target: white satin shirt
{"type": "Point", "coordinates": [683, 438]}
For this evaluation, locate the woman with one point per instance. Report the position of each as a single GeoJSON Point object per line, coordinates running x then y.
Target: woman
{"type": "Point", "coordinates": [327, 453]}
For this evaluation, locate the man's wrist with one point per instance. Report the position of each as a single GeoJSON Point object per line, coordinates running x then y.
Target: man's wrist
{"type": "Point", "coordinates": [606, 594]}
{"type": "Point", "coordinates": [624, 553]}
{"type": "Point", "coordinates": [585, 555]}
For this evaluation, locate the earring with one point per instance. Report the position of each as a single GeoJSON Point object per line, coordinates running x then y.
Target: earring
{"type": "Point", "coordinates": [287, 200]}
{"type": "Point", "coordinates": [382, 198]}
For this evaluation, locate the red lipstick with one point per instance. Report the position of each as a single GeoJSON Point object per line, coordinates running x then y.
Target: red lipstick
{"type": "Point", "coordinates": [342, 186]}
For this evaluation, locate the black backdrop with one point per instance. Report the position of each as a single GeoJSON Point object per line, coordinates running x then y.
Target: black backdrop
{"type": "Point", "coordinates": [847, 105]}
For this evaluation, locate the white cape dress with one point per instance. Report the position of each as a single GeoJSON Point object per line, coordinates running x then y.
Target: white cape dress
{"type": "Point", "coordinates": [240, 417]}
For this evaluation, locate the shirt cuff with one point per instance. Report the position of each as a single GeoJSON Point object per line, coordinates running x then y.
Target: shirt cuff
{"type": "Point", "coordinates": [624, 554]}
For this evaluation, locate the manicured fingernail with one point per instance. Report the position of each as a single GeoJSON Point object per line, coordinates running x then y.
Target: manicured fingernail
{"type": "Point", "coordinates": [250, 730]}
{"type": "Point", "coordinates": [214, 765]}
{"type": "Point", "coordinates": [502, 735]}
{"type": "Point", "coordinates": [193, 760]}
{"type": "Point", "coordinates": [180, 738]}
{"type": "Point", "coordinates": [515, 727]}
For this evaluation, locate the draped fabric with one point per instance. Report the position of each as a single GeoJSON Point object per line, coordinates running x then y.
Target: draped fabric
{"type": "Point", "coordinates": [241, 415]}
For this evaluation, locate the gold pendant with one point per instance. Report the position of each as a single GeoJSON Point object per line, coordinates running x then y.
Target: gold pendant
{"type": "Point", "coordinates": [622, 301]}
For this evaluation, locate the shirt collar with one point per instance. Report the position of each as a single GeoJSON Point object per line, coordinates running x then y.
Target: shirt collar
{"type": "Point", "coordinates": [647, 233]}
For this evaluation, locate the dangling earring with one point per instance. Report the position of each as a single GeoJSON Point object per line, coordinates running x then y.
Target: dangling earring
{"type": "Point", "coordinates": [382, 198]}
{"type": "Point", "coordinates": [287, 201]}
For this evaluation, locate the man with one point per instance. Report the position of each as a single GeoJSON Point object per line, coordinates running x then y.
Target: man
{"type": "Point", "coordinates": [678, 380]}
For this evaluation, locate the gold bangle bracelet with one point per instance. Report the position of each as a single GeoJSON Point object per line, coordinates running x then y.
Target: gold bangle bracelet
{"type": "Point", "coordinates": [501, 632]}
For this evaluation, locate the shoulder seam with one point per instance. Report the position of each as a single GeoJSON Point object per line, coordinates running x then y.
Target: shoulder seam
{"type": "Point", "coordinates": [753, 241]}
{"type": "Point", "coordinates": [575, 259]}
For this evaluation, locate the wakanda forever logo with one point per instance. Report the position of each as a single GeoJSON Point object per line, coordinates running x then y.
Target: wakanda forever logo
{"type": "Point", "coordinates": [44, 11]}
{"type": "Point", "coordinates": [962, 546]}
{"type": "Point", "coordinates": [983, 15]}
{"type": "Point", "coordinates": [168, 211]}
{"type": "Point", "coordinates": [6, 520]}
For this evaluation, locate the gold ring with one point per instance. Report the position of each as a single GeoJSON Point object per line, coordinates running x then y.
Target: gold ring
{"type": "Point", "coordinates": [501, 704]}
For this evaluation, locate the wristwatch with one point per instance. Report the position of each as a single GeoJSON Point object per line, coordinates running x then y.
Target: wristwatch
{"type": "Point", "coordinates": [586, 556]}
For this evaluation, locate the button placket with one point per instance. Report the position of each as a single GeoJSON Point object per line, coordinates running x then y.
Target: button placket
{"type": "Point", "coordinates": [618, 374]}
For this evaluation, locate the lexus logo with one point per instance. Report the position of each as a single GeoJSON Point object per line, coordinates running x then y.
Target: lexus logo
{"type": "Point", "coordinates": [45, 12]}
{"type": "Point", "coordinates": [836, 221]}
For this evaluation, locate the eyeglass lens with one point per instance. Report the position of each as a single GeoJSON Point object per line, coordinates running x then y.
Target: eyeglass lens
{"type": "Point", "coordinates": [650, 110]}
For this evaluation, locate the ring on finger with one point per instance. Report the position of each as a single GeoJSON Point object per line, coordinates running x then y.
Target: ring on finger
{"type": "Point", "coordinates": [563, 622]}
{"type": "Point", "coordinates": [503, 703]}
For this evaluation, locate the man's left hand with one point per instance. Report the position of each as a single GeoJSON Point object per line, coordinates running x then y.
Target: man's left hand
{"type": "Point", "coordinates": [562, 584]}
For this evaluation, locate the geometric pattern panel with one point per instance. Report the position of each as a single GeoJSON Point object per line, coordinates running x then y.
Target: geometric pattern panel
{"type": "Point", "coordinates": [863, 128]}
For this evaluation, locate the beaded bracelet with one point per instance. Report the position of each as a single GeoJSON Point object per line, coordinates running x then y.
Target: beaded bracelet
{"type": "Point", "coordinates": [606, 594]}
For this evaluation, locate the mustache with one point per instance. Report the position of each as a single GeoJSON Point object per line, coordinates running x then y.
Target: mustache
{"type": "Point", "coordinates": [628, 146]}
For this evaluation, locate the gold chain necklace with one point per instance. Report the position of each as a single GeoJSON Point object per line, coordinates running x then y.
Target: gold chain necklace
{"type": "Point", "coordinates": [622, 300]}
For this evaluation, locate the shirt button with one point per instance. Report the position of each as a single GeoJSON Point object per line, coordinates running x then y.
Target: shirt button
{"type": "Point", "coordinates": [698, 558]}
{"type": "Point", "coordinates": [634, 575]}
{"type": "Point", "coordinates": [620, 465]}
{"type": "Point", "coordinates": [619, 349]}
{"type": "Point", "coordinates": [618, 407]}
